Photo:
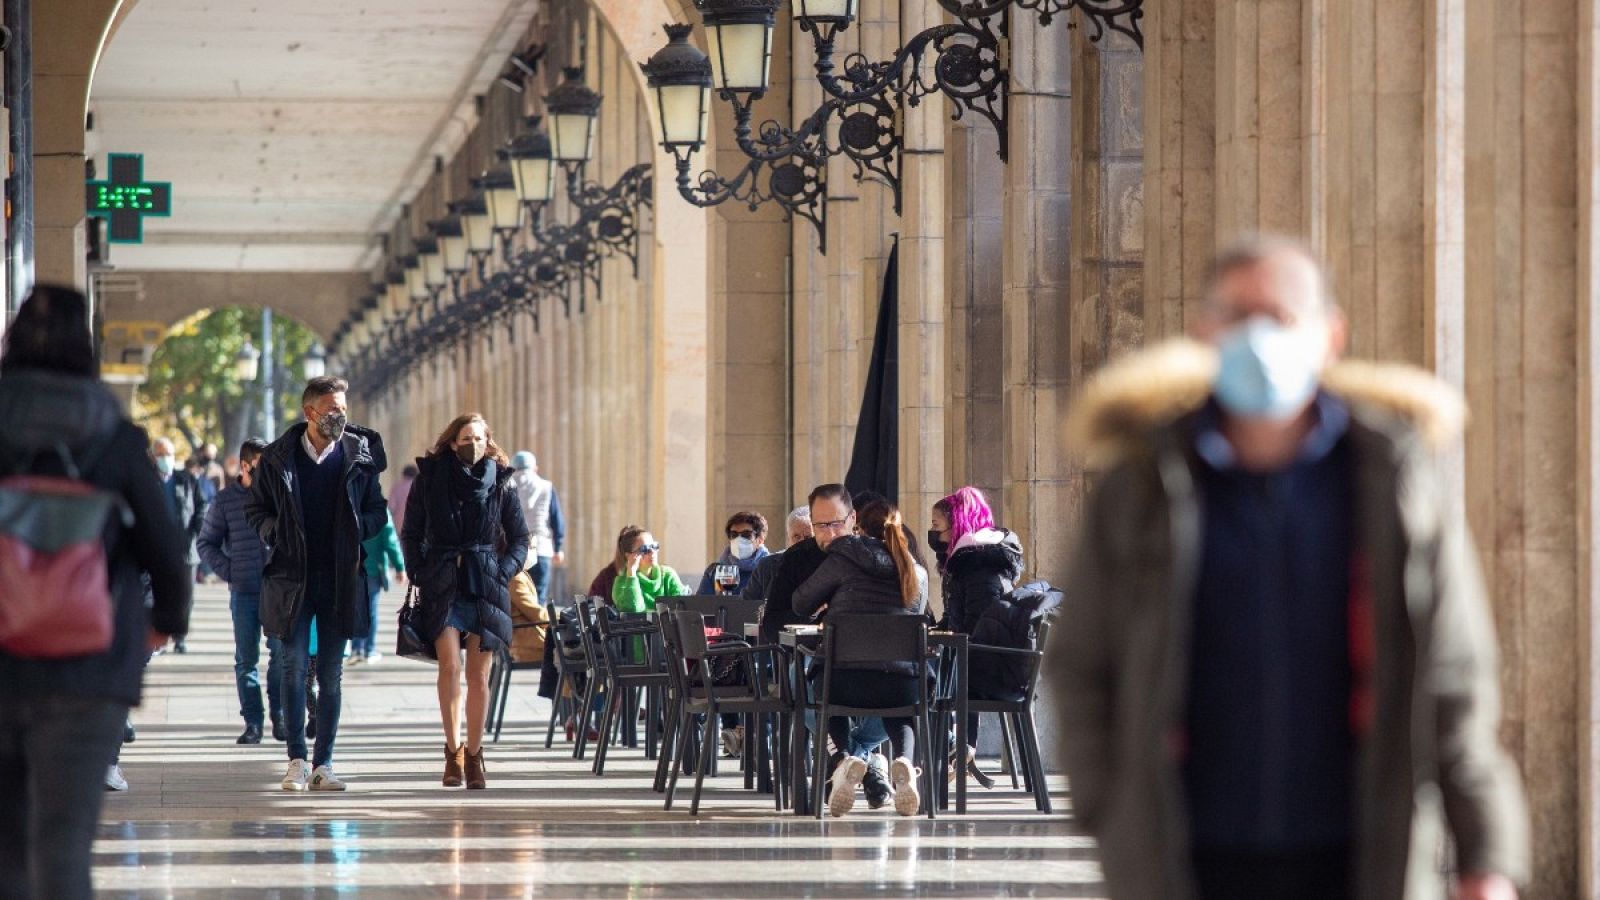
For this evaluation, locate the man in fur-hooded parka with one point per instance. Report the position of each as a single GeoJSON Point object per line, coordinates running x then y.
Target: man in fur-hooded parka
{"type": "Point", "coordinates": [1275, 658]}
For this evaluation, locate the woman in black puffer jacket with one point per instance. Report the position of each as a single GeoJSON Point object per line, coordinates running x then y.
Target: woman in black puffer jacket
{"type": "Point", "coordinates": [981, 565]}
{"type": "Point", "coordinates": [464, 540]}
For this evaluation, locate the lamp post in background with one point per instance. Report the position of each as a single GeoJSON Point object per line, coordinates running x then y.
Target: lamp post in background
{"type": "Point", "coordinates": [268, 417]}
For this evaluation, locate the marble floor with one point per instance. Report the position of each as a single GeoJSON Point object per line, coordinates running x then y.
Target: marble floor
{"type": "Point", "coordinates": [205, 818]}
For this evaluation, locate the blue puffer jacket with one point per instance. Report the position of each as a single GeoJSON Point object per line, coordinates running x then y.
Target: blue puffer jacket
{"type": "Point", "coordinates": [229, 545]}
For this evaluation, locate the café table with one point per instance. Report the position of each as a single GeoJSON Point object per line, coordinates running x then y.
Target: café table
{"type": "Point", "coordinates": [952, 646]}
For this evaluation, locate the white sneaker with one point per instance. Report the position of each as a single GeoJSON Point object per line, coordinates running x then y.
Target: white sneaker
{"type": "Point", "coordinates": [374, 658]}
{"type": "Point", "coordinates": [846, 779]}
{"type": "Point", "coordinates": [299, 773]}
{"type": "Point", "coordinates": [904, 776]}
{"type": "Point", "coordinates": [114, 779]}
{"type": "Point", "coordinates": [354, 659]}
{"type": "Point", "coordinates": [323, 779]}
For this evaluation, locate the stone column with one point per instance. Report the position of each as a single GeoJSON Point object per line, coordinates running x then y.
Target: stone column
{"type": "Point", "coordinates": [974, 452]}
{"type": "Point", "coordinates": [1041, 485]}
{"type": "Point", "coordinates": [1524, 300]}
{"type": "Point", "coordinates": [922, 370]}
{"type": "Point", "coordinates": [1107, 199]}
{"type": "Point", "coordinates": [1180, 153]}
{"type": "Point", "coordinates": [1587, 301]}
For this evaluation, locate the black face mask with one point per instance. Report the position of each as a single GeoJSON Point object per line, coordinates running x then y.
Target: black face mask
{"type": "Point", "coordinates": [469, 454]}
{"type": "Point", "coordinates": [937, 543]}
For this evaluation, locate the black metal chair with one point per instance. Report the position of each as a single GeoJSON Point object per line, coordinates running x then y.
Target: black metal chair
{"type": "Point", "coordinates": [572, 666]}
{"type": "Point", "coordinates": [500, 676]}
{"type": "Point", "coordinates": [1018, 728]}
{"type": "Point", "coordinates": [694, 696]}
{"type": "Point", "coordinates": [868, 642]}
{"type": "Point", "coordinates": [632, 665]}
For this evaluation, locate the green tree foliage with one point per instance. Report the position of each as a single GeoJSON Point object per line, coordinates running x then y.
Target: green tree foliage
{"type": "Point", "coordinates": [193, 394]}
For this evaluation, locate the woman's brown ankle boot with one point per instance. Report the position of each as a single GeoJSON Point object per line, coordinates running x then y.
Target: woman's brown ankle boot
{"type": "Point", "coordinates": [452, 765]}
{"type": "Point", "coordinates": [475, 772]}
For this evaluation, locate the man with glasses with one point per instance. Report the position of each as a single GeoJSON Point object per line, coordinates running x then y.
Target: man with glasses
{"type": "Point", "coordinates": [832, 517]}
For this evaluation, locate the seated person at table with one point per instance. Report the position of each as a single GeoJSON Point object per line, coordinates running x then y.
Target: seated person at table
{"type": "Point", "coordinates": [871, 574]}
{"type": "Point", "coordinates": [641, 578]}
{"type": "Point", "coordinates": [747, 546]}
{"type": "Point", "coordinates": [607, 577]}
{"type": "Point", "coordinates": [832, 516]}
{"type": "Point", "coordinates": [798, 525]}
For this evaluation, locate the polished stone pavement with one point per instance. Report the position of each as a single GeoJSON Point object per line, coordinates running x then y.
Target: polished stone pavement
{"type": "Point", "coordinates": [205, 817]}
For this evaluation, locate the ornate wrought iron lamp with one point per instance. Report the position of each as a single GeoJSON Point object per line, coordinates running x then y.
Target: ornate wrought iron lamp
{"type": "Point", "coordinates": [970, 66]}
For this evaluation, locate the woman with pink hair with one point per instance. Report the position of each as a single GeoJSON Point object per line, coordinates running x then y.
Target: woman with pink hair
{"type": "Point", "coordinates": [981, 564]}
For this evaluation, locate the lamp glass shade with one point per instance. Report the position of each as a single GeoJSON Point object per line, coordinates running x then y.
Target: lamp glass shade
{"type": "Point", "coordinates": [315, 362]}
{"type": "Point", "coordinates": [455, 251]}
{"type": "Point", "coordinates": [741, 55]}
{"type": "Point", "coordinates": [535, 178]}
{"type": "Point", "coordinates": [505, 207]}
{"type": "Point", "coordinates": [247, 365]}
{"type": "Point", "coordinates": [433, 268]}
{"type": "Point", "coordinates": [826, 10]}
{"type": "Point", "coordinates": [571, 136]}
{"type": "Point", "coordinates": [417, 281]}
{"type": "Point", "coordinates": [480, 231]}
{"type": "Point", "coordinates": [685, 113]}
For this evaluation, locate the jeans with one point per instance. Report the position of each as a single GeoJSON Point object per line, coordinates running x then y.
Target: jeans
{"type": "Point", "coordinates": [54, 752]}
{"type": "Point", "coordinates": [867, 734]}
{"type": "Point", "coordinates": [246, 610]}
{"type": "Point", "coordinates": [363, 646]}
{"type": "Point", "coordinates": [540, 573]}
{"type": "Point", "coordinates": [330, 669]}
{"type": "Point", "coordinates": [876, 690]}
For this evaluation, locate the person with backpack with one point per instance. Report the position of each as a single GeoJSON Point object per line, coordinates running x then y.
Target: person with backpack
{"type": "Point", "coordinates": [314, 499]}
{"type": "Point", "coordinates": [980, 564]}
{"type": "Point", "coordinates": [233, 551]}
{"type": "Point", "coordinates": [76, 631]}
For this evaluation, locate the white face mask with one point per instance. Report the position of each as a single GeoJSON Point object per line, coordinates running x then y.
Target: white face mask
{"type": "Point", "coordinates": [742, 548]}
{"type": "Point", "coordinates": [1267, 370]}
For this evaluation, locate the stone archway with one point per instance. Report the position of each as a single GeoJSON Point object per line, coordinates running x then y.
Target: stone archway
{"type": "Point", "coordinates": [68, 37]}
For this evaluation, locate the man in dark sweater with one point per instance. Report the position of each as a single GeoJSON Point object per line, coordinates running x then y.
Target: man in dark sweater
{"type": "Point", "coordinates": [831, 516]}
{"type": "Point", "coordinates": [314, 499]}
{"type": "Point", "coordinates": [233, 551]}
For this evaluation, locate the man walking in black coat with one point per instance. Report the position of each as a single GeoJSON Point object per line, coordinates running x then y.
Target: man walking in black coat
{"type": "Point", "coordinates": [313, 499]}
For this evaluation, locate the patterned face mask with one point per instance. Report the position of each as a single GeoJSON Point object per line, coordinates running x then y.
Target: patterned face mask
{"type": "Point", "coordinates": [332, 425]}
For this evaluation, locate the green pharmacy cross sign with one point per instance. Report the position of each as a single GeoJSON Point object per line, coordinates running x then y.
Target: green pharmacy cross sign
{"type": "Point", "coordinates": [127, 198]}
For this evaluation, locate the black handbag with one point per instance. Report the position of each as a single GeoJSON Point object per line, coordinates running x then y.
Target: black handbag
{"type": "Point", "coordinates": [408, 637]}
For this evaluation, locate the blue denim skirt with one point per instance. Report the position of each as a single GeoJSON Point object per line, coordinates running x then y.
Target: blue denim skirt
{"type": "Point", "coordinates": [464, 618]}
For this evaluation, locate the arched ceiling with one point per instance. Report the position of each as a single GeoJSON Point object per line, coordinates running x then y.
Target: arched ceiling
{"type": "Point", "coordinates": [291, 130]}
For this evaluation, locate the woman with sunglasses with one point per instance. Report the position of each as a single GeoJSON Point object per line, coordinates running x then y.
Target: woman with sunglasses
{"type": "Point", "coordinates": [747, 546]}
{"type": "Point", "coordinates": [641, 578]}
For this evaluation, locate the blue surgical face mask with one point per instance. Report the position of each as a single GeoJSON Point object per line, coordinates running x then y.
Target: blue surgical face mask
{"type": "Point", "coordinates": [165, 465]}
{"type": "Point", "coordinates": [1267, 370]}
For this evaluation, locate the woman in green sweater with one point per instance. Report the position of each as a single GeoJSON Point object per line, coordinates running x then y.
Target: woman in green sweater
{"type": "Point", "coordinates": [641, 578]}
